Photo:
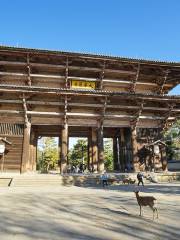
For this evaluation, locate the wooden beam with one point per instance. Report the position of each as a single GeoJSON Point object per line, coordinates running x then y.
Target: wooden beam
{"type": "Point", "coordinates": [132, 88]}
{"type": "Point", "coordinates": [167, 117]}
{"type": "Point", "coordinates": [77, 114]}
{"type": "Point", "coordinates": [137, 116]}
{"type": "Point", "coordinates": [59, 77]}
{"type": "Point", "coordinates": [66, 73]}
{"type": "Point", "coordinates": [162, 83]}
{"type": "Point", "coordinates": [29, 71]}
{"type": "Point", "coordinates": [58, 66]}
{"type": "Point", "coordinates": [102, 76]}
{"type": "Point", "coordinates": [94, 105]}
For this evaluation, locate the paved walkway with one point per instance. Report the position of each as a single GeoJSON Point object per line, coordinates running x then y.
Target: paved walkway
{"type": "Point", "coordinates": [88, 213]}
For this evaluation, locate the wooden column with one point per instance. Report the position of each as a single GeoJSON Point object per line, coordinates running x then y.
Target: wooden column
{"type": "Point", "coordinates": [64, 148]}
{"type": "Point", "coordinates": [90, 155]}
{"type": "Point", "coordinates": [128, 149]}
{"type": "Point", "coordinates": [25, 164]}
{"type": "Point", "coordinates": [122, 148]}
{"type": "Point", "coordinates": [100, 149]}
{"type": "Point", "coordinates": [115, 154]}
{"type": "Point", "coordinates": [134, 150]}
{"type": "Point", "coordinates": [94, 150]}
{"type": "Point", "coordinates": [64, 139]}
{"type": "Point", "coordinates": [33, 151]}
{"type": "Point", "coordinates": [26, 148]}
{"type": "Point", "coordinates": [164, 158]}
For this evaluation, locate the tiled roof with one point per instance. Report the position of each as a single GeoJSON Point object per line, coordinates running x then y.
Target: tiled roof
{"type": "Point", "coordinates": [82, 91]}
{"type": "Point", "coordinates": [96, 56]}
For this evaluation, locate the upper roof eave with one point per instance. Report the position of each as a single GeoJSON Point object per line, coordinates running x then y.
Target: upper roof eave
{"type": "Point", "coordinates": [89, 55]}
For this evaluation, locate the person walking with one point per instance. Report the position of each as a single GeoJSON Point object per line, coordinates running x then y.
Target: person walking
{"type": "Point", "coordinates": [140, 178]}
{"type": "Point", "coordinates": [104, 179]}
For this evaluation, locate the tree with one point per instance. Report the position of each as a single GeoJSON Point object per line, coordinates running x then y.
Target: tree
{"type": "Point", "coordinates": [48, 154]}
{"type": "Point", "coordinates": [108, 154]}
{"type": "Point", "coordinates": [79, 153]}
{"type": "Point", "coordinates": [172, 138]}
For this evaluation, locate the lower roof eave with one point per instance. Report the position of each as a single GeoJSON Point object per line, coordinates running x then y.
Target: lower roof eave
{"type": "Point", "coordinates": [100, 93]}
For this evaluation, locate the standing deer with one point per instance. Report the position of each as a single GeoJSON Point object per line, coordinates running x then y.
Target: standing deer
{"type": "Point", "coordinates": [146, 201]}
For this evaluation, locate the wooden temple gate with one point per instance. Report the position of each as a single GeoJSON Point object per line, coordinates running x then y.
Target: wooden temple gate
{"type": "Point", "coordinates": [49, 93]}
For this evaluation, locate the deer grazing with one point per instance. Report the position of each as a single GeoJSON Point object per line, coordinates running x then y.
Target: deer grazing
{"type": "Point", "coordinates": [146, 201]}
{"type": "Point", "coordinates": [128, 181]}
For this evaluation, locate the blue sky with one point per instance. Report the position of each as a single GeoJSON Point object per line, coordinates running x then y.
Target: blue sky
{"type": "Point", "coordinates": [130, 28]}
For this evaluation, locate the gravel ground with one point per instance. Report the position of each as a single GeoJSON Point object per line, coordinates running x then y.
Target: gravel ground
{"type": "Point", "coordinates": [88, 213]}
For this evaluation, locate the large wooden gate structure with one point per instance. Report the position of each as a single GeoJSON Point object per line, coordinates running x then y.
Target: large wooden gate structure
{"type": "Point", "coordinates": [49, 93]}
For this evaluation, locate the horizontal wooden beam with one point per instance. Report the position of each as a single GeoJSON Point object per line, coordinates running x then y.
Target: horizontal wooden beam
{"type": "Point", "coordinates": [58, 66]}
{"type": "Point", "coordinates": [130, 82]}
{"type": "Point", "coordinates": [86, 105]}
{"type": "Point", "coordinates": [70, 114]}
{"type": "Point", "coordinates": [59, 77]}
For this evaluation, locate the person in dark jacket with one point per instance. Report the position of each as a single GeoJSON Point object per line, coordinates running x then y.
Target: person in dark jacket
{"type": "Point", "coordinates": [140, 178]}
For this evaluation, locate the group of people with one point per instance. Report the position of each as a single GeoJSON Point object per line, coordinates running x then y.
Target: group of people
{"type": "Point", "coordinates": [104, 178]}
{"type": "Point", "coordinates": [77, 169]}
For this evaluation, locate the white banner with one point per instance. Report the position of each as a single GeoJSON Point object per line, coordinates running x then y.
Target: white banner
{"type": "Point", "coordinates": [2, 148]}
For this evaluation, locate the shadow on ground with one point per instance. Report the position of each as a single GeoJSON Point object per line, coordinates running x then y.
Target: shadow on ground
{"type": "Point", "coordinates": [88, 214]}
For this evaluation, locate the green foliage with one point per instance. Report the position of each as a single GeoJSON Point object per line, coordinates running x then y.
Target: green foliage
{"type": "Point", "coordinates": [108, 154]}
{"type": "Point", "coordinates": [172, 138]}
{"type": "Point", "coordinates": [79, 153]}
{"type": "Point", "coordinates": [47, 155]}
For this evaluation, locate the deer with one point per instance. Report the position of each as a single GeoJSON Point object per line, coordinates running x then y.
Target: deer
{"type": "Point", "coordinates": [146, 201]}
{"type": "Point", "coordinates": [128, 181]}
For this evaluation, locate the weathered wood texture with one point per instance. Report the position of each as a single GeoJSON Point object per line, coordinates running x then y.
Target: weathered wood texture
{"type": "Point", "coordinates": [13, 153]}
{"type": "Point", "coordinates": [64, 149]}
{"type": "Point", "coordinates": [26, 149]}
{"type": "Point", "coordinates": [13, 156]}
{"type": "Point", "coordinates": [52, 69]}
{"type": "Point", "coordinates": [94, 149]}
{"type": "Point", "coordinates": [115, 154]}
{"type": "Point", "coordinates": [100, 149]}
{"type": "Point", "coordinates": [36, 93]}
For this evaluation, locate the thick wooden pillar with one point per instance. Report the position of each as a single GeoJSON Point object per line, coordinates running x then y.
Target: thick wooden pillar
{"type": "Point", "coordinates": [64, 149]}
{"type": "Point", "coordinates": [26, 148]}
{"type": "Point", "coordinates": [128, 149]}
{"type": "Point", "coordinates": [115, 154]}
{"type": "Point", "coordinates": [100, 149]}
{"type": "Point", "coordinates": [134, 150]}
{"type": "Point", "coordinates": [33, 151]}
{"type": "Point", "coordinates": [94, 150]}
{"type": "Point", "coordinates": [122, 150]}
{"type": "Point", "coordinates": [164, 159]}
{"type": "Point", "coordinates": [90, 158]}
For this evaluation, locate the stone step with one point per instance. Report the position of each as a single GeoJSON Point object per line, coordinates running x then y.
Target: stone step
{"type": "Point", "coordinates": [78, 180]}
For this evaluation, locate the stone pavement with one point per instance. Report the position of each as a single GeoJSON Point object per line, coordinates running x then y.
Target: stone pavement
{"type": "Point", "coordinates": [88, 213]}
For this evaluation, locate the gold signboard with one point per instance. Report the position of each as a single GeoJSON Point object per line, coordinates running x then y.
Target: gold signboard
{"type": "Point", "coordinates": [83, 84]}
